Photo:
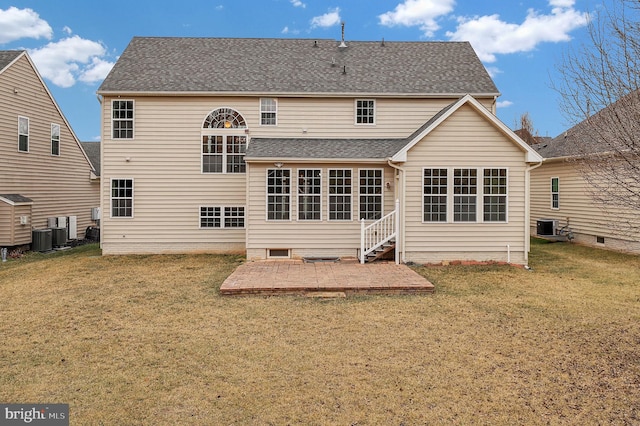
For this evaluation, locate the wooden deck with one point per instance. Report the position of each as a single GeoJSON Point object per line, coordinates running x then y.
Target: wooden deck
{"type": "Point", "coordinates": [330, 279]}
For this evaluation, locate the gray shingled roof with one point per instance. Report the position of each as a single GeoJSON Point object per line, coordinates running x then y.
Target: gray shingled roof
{"type": "Point", "coordinates": [343, 149]}
{"type": "Point", "coordinates": [7, 56]}
{"type": "Point", "coordinates": [16, 198]}
{"type": "Point", "coordinates": [281, 66]}
{"type": "Point", "coordinates": [92, 149]}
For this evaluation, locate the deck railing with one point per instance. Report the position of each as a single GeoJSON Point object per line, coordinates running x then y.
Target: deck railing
{"type": "Point", "coordinates": [378, 233]}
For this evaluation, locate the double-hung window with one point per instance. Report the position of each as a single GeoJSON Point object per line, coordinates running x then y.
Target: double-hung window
{"type": "Point", "coordinates": [370, 190]}
{"type": "Point", "coordinates": [122, 119]}
{"type": "Point", "coordinates": [339, 194]}
{"type": "Point", "coordinates": [221, 217]}
{"type": "Point", "coordinates": [495, 195]}
{"type": "Point", "coordinates": [465, 189]}
{"type": "Point", "coordinates": [278, 194]}
{"type": "Point", "coordinates": [268, 111]}
{"type": "Point", "coordinates": [555, 193]}
{"type": "Point", "coordinates": [435, 195]}
{"type": "Point", "coordinates": [309, 194]}
{"type": "Point", "coordinates": [55, 139]}
{"type": "Point", "coordinates": [121, 197]}
{"type": "Point", "coordinates": [365, 111]}
{"type": "Point", "coordinates": [23, 134]}
{"type": "Point", "coordinates": [223, 154]}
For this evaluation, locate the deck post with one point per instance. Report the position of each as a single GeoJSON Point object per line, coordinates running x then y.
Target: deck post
{"type": "Point", "coordinates": [397, 231]}
{"type": "Point", "coordinates": [362, 240]}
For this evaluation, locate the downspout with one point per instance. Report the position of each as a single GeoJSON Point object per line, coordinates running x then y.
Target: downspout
{"type": "Point", "coordinates": [400, 191]}
{"type": "Point", "coordinates": [527, 209]}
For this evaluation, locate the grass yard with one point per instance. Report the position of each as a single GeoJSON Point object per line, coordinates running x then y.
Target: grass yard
{"type": "Point", "coordinates": [146, 340]}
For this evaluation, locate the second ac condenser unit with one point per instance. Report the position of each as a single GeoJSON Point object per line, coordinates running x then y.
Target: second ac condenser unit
{"type": "Point", "coordinates": [59, 237]}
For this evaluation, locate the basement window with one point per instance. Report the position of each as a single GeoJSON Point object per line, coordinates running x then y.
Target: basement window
{"type": "Point", "coordinates": [278, 253]}
{"type": "Point", "coordinates": [599, 240]}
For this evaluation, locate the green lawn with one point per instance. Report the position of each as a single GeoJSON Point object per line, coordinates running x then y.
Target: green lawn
{"type": "Point", "coordinates": [148, 340]}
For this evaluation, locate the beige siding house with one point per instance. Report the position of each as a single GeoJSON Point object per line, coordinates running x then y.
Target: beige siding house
{"type": "Point", "coordinates": [301, 148]}
{"type": "Point", "coordinates": [562, 196]}
{"type": "Point", "coordinates": [44, 172]}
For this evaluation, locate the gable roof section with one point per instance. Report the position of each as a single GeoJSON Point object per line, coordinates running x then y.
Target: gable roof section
{"type": "Point", "coordinates": [161, 65]}
{"type": "Point", "coordinates": [531, 155]}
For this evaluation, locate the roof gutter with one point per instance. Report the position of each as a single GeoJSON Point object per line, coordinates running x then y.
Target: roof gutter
{"type": "Point", "coordinates": [313, 160]}
{"type": "Point", "coordinates": [127, 93]}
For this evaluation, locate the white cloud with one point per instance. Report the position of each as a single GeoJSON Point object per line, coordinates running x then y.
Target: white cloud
{"type": "Point", "coordinates": [493, 71]}
{"type": "Point", "coordinates": [71, 59]}
{"type": "Point", "coordinates": [503, 104]}
{"type": "Point", "coordinates": [329, 19]}
{"type": "Point", "coordinates": [298, 3]}
{"type": "Point", "coordinates": [67, 30]}
{"type": "Point", "coordinates": [490, 36]}
{"type": "Point", "coordinates": [418, 12]}
{"type": "Point", "coordinates": [22, 23]}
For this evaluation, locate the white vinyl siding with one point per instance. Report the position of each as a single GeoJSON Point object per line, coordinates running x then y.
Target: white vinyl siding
{"type": "Point", "coordinates": [23, 134]}
{"type": "Point", "coordinates": [122, 119]}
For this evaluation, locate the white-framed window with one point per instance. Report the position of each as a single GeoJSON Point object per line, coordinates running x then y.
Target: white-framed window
{"type": "Point", "coordinates": [23, 134]}
{"type": "Point", "coordinates": [555, 193]}
{"type": "Point", "coordinates": [278, 194]}
{"type": "Point", "coordinates": [370, 193]}
{"type": "Point", "coordinates": [221, 217]}
{"type": "Point", "coordinates": [309, 194]}
{"type": "Point", "coordinates": [465, 190]}
{"type": "Point", "coordinates": [495, 195]}
{"type": "Point", "coordinates": [122, 119]}
{"type": "Point", "coordinates": [268, 111]}
{"type": "Point", "coordinates": [434, 190]}
{"type": "Point", "coordinates": [122, 197]}
{"type": "Point", "coordinates": [339, 194]}
{"type": "Point", "coordinates": [55, 139]}
{"type": "Point", "coordinates": [223, 153]}
{"type": "Point", "coordinates": [365, 111]}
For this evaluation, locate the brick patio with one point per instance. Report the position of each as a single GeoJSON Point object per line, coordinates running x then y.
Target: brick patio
{"type": "Point", "coordinates": [273, 277]}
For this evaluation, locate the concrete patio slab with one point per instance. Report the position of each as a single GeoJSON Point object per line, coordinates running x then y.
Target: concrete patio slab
{"type": "Point", "coordinates": [274, 277]}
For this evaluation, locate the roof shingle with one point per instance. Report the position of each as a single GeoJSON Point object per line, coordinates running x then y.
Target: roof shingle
{"type": "Point", "coordinates": [282, 66]}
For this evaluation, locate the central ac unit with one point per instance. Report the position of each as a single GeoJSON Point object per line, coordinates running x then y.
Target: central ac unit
{"type": "Point", "coordinates": [59, 237]}
{"type": "Point", "coordinates": [41, 240]}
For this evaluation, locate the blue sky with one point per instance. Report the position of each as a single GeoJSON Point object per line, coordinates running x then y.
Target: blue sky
{"type": "Point", "coordinates": [74, 43]}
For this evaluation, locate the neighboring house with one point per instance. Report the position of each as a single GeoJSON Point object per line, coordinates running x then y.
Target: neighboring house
{"type": "Point", "coordinates": [565, 195]}
{"type": "Point", "coordinates": [92, 149]}
{"type": "Point", "coordinates": [44, 172]}
{"type": "Point", "coordinates": [287, 148]}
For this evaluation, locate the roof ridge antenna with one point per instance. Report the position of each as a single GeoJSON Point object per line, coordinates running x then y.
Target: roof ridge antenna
{"type": "Point", "coordinates": [342, 43]}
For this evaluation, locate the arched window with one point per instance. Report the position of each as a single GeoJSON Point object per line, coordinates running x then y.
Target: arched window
{"type": "Point", "coordinates": [224, 118]}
